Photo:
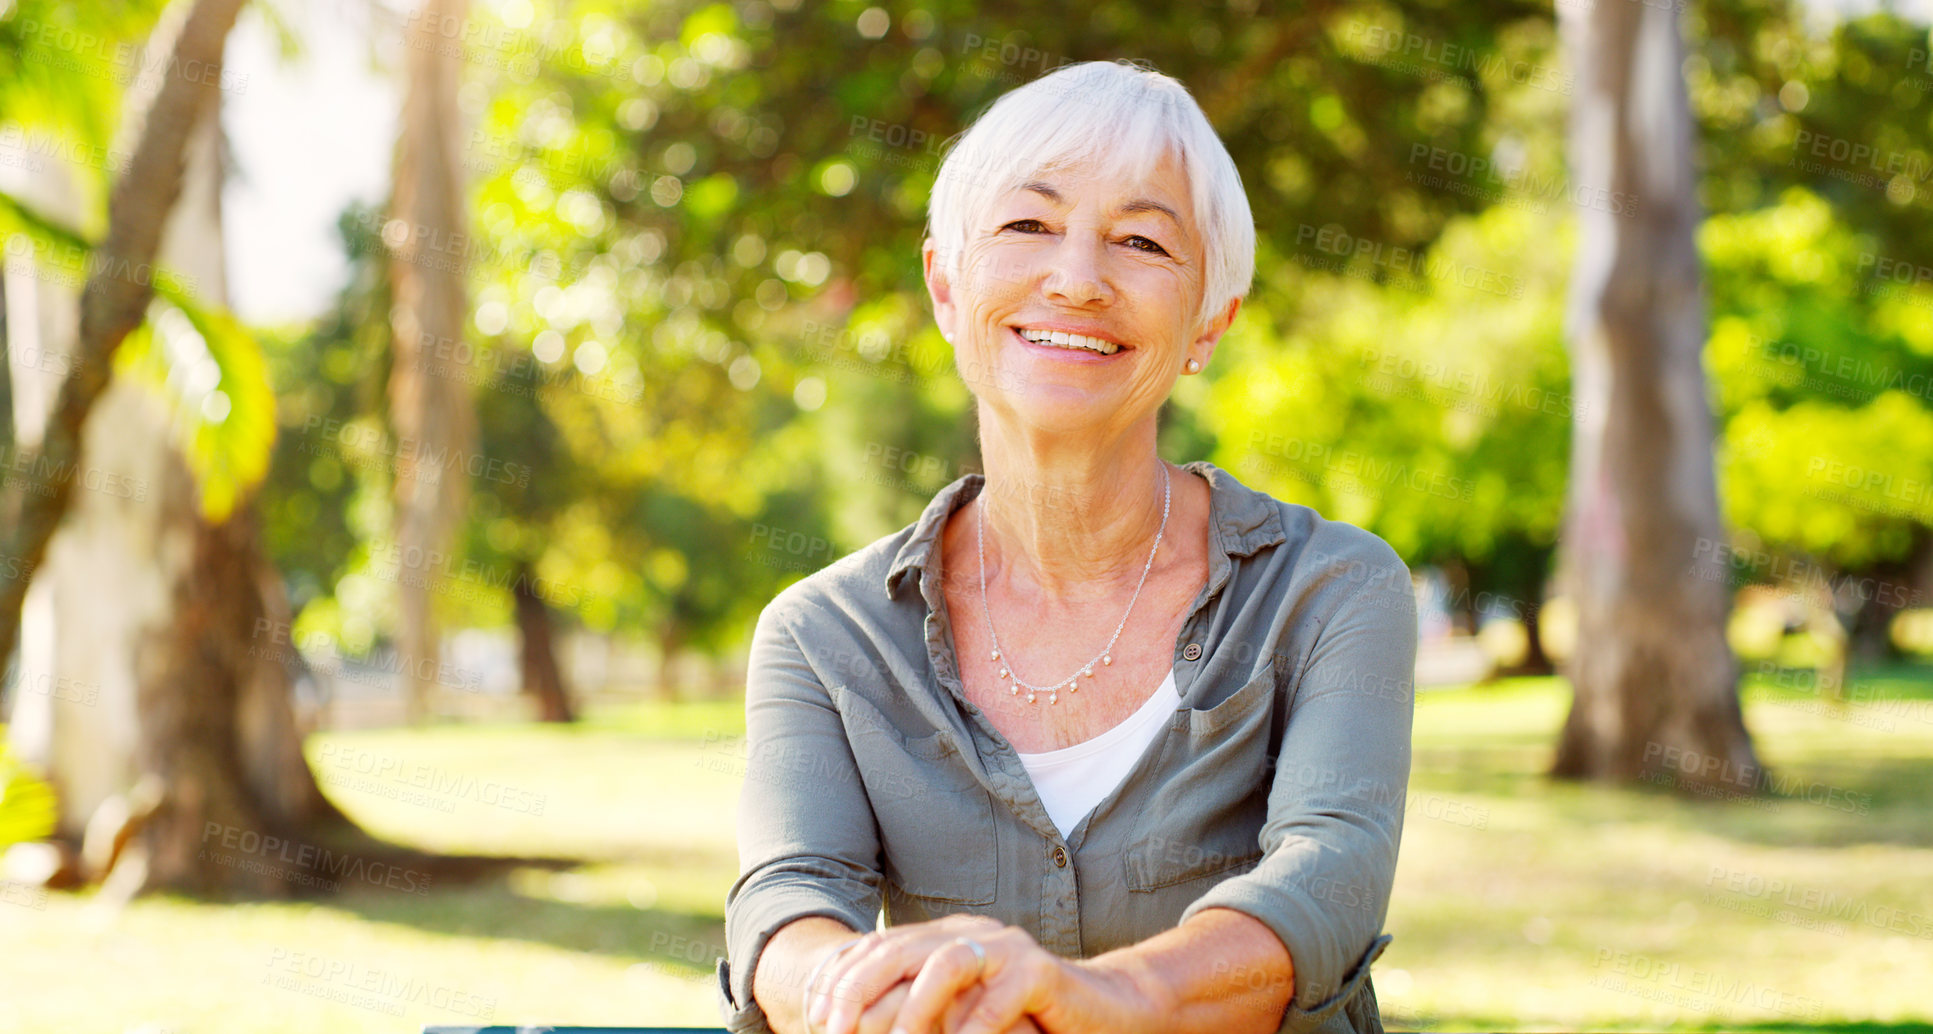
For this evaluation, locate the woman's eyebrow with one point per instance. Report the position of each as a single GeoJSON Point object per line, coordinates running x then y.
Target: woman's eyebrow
{"type": "Point", "coordinates": [1043, 190]}
{"type": "Point", "coordinates": [1140, 204]}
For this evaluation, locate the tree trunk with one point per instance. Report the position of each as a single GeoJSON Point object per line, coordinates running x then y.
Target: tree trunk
{"type": "Point", "coordinates": [6, 395]}
{"type": "Point", "coordinates": [671, 643]}
{"type": "Point", "coordinates": [1536, 661]}
{"type": "Point", "coordinates": [118, 289]}
{"type": "Point", "coordinates": [429, 407]}
{"type": "Point", "coordinates": [1878, 595]}
{"type": "Point", "coordinates": [1655, 682]}
{"type": "Point", "coordinates": [543, 679]}
{"type": "Point", "coordinates": [168, 712]}
{"type": "Point", "coordinates": [62, 717]}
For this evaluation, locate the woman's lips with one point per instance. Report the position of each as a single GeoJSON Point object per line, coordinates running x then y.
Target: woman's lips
{"type": "Point", "coordinates": [1073, 355]}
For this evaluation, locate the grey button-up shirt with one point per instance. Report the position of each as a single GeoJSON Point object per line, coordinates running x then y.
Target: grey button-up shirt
{"type": "Point", "coordinates": [873, 787]}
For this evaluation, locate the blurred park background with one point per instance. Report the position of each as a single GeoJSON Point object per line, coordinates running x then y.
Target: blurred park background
{"type": "Point", "coordinates": [410, 404]}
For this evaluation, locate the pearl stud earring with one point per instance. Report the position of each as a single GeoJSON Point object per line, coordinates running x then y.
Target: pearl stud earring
{"type": "Point", "coordinates": [1194, 366]}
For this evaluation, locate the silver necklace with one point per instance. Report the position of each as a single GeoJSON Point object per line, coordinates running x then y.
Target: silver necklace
{"type": "Point", "coordinates": [1106, 657]}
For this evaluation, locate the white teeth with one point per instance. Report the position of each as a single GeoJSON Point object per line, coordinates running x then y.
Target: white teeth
{"type": "Point", "coordinates": [1065, 340]}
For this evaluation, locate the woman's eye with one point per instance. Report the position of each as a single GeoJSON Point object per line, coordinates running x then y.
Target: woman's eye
{"type": "Point", "coordinates": [1140, 243]}
{"type": "Point", "coordinates": [1026, 226]}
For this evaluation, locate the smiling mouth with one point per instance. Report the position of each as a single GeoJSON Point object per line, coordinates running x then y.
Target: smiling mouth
{"type": "Point", "coordinates": [1062, 339]}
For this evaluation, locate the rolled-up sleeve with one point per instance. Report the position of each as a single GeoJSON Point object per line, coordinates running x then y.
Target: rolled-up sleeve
{"type": "Point", "coordinates": [1335, 808]}
{"type": "Point", "coordinates": [808, 843]}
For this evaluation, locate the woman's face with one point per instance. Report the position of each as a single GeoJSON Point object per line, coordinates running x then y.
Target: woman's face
{"type": "Point", "coordinates": [1075, 252]}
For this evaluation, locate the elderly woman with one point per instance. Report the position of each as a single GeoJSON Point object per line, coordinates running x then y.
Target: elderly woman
{"type": "Point", "coordinates": [1099, 743]}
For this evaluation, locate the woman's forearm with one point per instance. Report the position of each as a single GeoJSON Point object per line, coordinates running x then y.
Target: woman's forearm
{"type": "Point", "coordinates": [789, 957]}
{"type": "Point", "coordinates": [1222, 972]}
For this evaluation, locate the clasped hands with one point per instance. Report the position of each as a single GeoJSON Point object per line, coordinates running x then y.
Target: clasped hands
{"type": "Point", "coordinates": [924, 978]}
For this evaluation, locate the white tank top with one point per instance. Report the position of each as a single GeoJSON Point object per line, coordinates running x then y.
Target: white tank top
{"type": "Point", "coordinates": [1072, 780]}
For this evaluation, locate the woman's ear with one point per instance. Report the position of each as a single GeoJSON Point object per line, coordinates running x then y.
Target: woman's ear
{"type": "Point", "coordinates": [938, 287]}
{"type": "Point", "coordinates": [1211, 334]}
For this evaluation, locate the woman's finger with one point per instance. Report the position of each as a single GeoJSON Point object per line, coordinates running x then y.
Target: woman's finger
{"type": "Point", "coordinates": [957, 1009]}
{"type": "Point", "coordinates": [949, 973]}
{"type": "Point", "coordinates": [1001, 1005]}
{"type": "Point", "coordinates": [878, 1017]}
{"type": "Point", "coordinates": [859, 981]}
{"type": "Point", "coordinates": [883, 959]}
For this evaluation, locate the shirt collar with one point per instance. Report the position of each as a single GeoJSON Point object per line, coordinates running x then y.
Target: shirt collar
{"type": "Point", "coordinates": [1244, 521]}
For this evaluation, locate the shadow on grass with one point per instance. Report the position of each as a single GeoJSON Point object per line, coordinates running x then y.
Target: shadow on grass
{"type": "Point", "coordinates": [1859, 784]}
{"type": "Point", "coordinates": [680, 942]}
{"type": "Point", "coordinates": [1880, 801]}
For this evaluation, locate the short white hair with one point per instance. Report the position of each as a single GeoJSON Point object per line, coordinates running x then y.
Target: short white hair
{"type": "Point", "coordinates": [1122, 115]}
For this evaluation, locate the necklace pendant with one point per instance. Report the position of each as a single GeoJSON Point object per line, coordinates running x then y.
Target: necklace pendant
{"type": "Point", "coordinates": [1030, 696]}
{"type": "Point", "coordinates": [1089, 672]}
{"type": "Point", "coordinates": [1004, 672]}
{"type": "Point", "coordinates": [995, 656]}
{"type": "Point", "coordinates": [1107, 659]}
{"type": "Point", "coordinates": [1054, 698]}
{"type": "Point", "coordinates": [1015, 691]}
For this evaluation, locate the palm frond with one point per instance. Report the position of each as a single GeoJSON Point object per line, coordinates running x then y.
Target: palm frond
{"type": "Point", "coordinates": [199, 357]}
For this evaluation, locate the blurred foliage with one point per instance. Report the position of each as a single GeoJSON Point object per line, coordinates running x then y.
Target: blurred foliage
{"type": "Point", "coordinates": [27, 806]}
{"type": "Point", "coordinates": [704, 365]}
{"type": "Point", "coordinates": [1822, 386]}
{"type": "Point", "coordinates": [699, 319]}
{"type": "Point", "coordinates": [1436, 415]}
{"type": "Point", "coordinates": [701, 226]}
{"type": "Point", "coordinates": [63, 68]}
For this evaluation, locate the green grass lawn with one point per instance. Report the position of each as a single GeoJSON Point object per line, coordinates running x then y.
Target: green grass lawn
{"type": "Point", "coordinates": [1520, 904]}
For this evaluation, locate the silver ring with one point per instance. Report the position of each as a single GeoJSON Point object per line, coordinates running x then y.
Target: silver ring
{"type": "Point", "coordinates": [978, 953]}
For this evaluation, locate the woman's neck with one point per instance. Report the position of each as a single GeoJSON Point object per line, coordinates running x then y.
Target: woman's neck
{"type": "Point", "coordinates": [1072, 519]}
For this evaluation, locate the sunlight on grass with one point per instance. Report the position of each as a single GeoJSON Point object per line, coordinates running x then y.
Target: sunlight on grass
{"type": "Point", "coordinates": [1526, 904]}
{"type": "Point", "coordinates": [1520, 903]}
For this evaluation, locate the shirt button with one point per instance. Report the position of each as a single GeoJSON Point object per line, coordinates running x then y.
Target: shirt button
{"type": "Point", "coordinates": [1060, 857]}
{"type": "Point", "coordinates": [1191, 652]}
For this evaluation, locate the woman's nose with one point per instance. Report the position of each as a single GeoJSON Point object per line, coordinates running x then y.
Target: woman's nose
{"type": "Point", "coordinates": [1076, 272]}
